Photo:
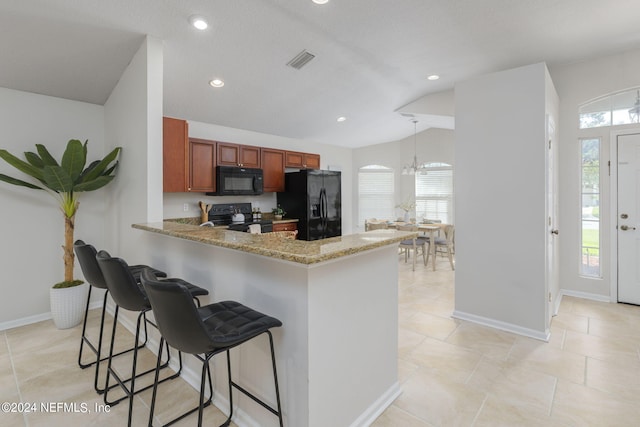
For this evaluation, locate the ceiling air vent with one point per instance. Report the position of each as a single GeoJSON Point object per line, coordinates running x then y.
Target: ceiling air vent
{"type": "Point", "coordinates": [300, 60]}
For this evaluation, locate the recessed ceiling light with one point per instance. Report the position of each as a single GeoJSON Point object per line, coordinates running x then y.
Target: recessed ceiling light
{"type": "Point", "coordinates": [216, 83]}
{"type": "Point", "coordinates": [198, 21]}
{"type": "Point", "coordinates": [433, 77]}
{"type": "Point", "coordinates": [321, 1]}
{"type": "Point", "coordinates": [341, 119]}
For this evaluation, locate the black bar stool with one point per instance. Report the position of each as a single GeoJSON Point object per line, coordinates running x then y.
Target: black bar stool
{"type": "Point", "coordinates": [205, 332]}
{"type": "Point", "coordinates": [86, 255]}
{"type": "Point", "coordinates": [130, 295]}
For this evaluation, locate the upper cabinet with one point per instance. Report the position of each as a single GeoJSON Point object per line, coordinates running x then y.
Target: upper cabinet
{"type": "Point", "coordinates": [202, 162]}
{"type": "Point", "coordinates": [175, 157]}
{"type": "Point", "coordinates": [245, 156]}
{"type": "Point", "coordinates": [272, 169]}
{"type": "Point", "coordinates": [189, 164]}
{"type": "Point", "coordinates": [302, 160]}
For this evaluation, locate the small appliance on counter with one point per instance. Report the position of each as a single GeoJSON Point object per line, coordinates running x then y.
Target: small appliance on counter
{"type": "Point", "coordinates": [238, 216]}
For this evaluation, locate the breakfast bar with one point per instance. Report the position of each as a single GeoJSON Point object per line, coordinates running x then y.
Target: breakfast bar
{"type": "Point", "coordinates": [337, 298]}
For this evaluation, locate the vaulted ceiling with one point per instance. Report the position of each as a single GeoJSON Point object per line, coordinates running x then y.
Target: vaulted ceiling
{"type": "Point", "coordinates": [372, 57]}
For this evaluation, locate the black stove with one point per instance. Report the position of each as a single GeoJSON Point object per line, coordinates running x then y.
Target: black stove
{"type": "Point", "coordinates": [222, 214]}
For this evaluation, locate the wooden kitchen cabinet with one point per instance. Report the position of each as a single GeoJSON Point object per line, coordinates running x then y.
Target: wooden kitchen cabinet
{"type": "Point", "coordinates": [175, 158]}
{"type": "Point", "coordinates": [238, 155]}
{"type": "Point", "coordinates": [189, 163]}
{"type": "Point", "coordinates": [202, 162]}
{"type": "Point", "coordinates": [273, 169]}
{"type": "Point", "coordinates": [299, 160]}
{"type": "Point", "coordinates": [285, 226]}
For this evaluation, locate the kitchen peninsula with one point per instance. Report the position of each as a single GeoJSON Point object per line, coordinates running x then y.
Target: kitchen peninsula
{"type": "Point", "coordinates": [337, 299]}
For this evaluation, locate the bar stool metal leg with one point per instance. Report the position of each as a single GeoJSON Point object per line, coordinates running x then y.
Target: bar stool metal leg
{"type": "Point", "coordinates": [130, 391]}
{"type": "Point", "coordinates": [98, 351]}
{"type": "Point", "coordinates": [275, 412]}
{"type": "Point", "coordinates": [206, 373]}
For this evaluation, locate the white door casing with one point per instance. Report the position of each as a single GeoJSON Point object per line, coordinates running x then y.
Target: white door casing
{"type": "Point", "coordinates": [552, 215]}
{"type": "Point", "coordinates": [628, 218]}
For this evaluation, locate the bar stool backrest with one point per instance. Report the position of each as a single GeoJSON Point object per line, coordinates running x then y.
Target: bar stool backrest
{"type": "Point", "coordinates": [86, 255]}
{"type": "Point", "coordinates": [176, 315]}
{"type": "Point", "coordinates": [121, 283]}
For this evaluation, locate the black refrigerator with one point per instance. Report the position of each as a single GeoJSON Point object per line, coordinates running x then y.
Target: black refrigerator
{"type": "Point", "coordinates": [313, 196]}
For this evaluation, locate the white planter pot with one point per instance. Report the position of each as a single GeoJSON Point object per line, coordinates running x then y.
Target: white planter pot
{"type": "Point", "coordinates": [67, 305]}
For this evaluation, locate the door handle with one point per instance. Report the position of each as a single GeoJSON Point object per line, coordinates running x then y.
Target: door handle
{"type": "Point", "coordinates": [626, 227]}
{"type": "Point", "coordinates": [554, 232]}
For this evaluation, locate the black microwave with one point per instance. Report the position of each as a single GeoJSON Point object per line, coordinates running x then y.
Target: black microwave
{"type": "Point", "coordinates": [236, 181]}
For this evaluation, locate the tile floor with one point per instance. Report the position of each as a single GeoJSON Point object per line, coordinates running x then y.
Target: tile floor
{"type": "Point", "coordinates": [453, 373]}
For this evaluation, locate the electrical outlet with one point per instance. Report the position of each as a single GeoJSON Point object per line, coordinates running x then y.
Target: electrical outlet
{"type": "Point", "coordinates": [185, 207]}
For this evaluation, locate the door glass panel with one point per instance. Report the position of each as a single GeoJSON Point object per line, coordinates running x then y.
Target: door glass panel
{"type": "Point", "coordinates": [590, 207]}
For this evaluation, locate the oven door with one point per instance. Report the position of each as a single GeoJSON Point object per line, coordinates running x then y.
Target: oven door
{"type": "Point", "coordinates": [233, 181]}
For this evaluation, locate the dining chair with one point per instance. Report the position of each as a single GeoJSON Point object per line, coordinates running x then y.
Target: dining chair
{"type": "Point", "coordinates": [413, 244]}
{"type": "Point", "coordinates": [431, 221]}
{"type": "Point", "coordinates": [446, 244]}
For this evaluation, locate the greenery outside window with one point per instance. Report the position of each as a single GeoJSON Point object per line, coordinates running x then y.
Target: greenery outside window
{"type": "Point", "coordinates": [590, 207]}
{"type": "Point", "coordinates": [434, 192]}
{"type": "Point", "coordinates": [375, 193]}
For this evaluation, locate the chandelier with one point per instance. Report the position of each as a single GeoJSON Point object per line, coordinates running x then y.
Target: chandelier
{"type": "Point", "coordinates": [413, 167]}
{"type": "Point", "coordinates": [634, 112]}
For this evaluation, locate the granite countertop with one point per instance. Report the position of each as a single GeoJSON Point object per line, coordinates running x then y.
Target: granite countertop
{"type": "Point", "coordinates": [299, 251]}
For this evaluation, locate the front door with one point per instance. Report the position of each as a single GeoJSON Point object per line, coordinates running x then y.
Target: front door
{"type": "Point", "coordinates": [628, 218]}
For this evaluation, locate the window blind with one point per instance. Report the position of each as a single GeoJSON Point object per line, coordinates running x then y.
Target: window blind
{"type": "Point", "coordinates": [375, 193]}
{"type": "Point", "coordinates": [434, 193]}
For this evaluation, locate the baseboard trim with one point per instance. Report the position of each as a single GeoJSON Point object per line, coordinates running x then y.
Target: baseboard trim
{"type": "Point", "coordinates": [24, 321]}
{"type": "Point", "coordinates": [29, 320]}
{"type": "Point", "coordinates": [503, 326]}
{"type": "Point", "coordinates": [378, 407]}
{"type": "Point", "coordinates": [586, 295]}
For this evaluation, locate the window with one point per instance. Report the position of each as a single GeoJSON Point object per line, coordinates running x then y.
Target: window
{"type": "Point", "coordinates": [434, 192]}
{"type": "Point", "coordinates": [375, 193]}
{"type": "Point", "coordinates": [590, 207]}
{"type": "Point", "coordinates": [616, 109]}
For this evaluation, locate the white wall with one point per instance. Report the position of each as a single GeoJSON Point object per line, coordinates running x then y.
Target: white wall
{"type": "Point", "coordinates": [432, 145]}
{"type": "Point", "coordinates": [330, 157]}
{"type": "Point", "coordinates": [32, 226]}
{"type": "Point", "coordinates": [500, 200]}
{"type": "Point", "coordinates": [133, 121]}
{"type": "Point", "coordinates": [578, 83]}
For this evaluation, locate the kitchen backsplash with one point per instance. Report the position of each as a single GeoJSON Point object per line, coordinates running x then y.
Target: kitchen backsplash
{"type": "Point", "coordinates": [174, 203]}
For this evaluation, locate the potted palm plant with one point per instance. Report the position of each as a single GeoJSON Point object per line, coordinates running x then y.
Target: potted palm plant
{"type": "Point", "coordinates": [64, 180]}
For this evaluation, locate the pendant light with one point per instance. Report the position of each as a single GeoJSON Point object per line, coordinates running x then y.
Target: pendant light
{"type": "Point", "coordinates": [413, 167]}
